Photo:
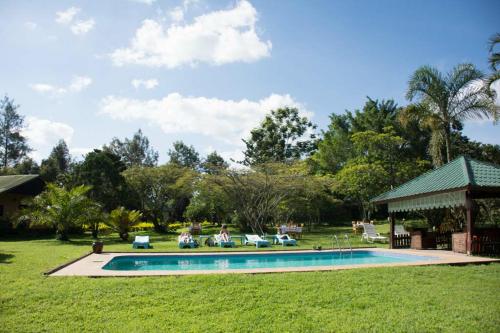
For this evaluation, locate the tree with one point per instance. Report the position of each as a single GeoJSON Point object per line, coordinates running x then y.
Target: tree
{"type": "Point", "coordinates": [57, 163]}
{"type": "Point", "coordinates": [214, 163]}
{"type": "Point", "coordinates": [257, 193]}
{"type": "Point", "coordinates": [447, 100]}
{"type": "Point", "coordinates": [184, 155]}
{"type": "Point", "coordinates": [494, 61]}
{"type": "Point", "coordinates": [13, 146]}
{"type": "Point", "coordinates": [121, 220]}
{"type": "Point", "coordinates": [360, 181]}
{"type": "Point", "coordinates": [282, 136]}
{"type": "Point", "coordinates": [102, 170]}
{"type": "Point", "coordinates": [336, 147]}
{"type": "Point", "coordinates": [60, 208]}
{"type": "Point", "coordinates": [209, 201]}
{"type": "Point", "coordinates": [27, 166]}
{"type": "Point", "coordinates": [135, 151]}
{"type": "Point", "coordinates": [163, 192]}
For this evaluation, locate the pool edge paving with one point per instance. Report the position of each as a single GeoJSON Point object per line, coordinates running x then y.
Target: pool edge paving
{"type": "Point", "coordinates": [92, 265]}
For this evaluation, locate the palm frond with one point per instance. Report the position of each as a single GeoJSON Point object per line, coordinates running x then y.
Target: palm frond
{"type": "Point", "coordinates": [427, 83]}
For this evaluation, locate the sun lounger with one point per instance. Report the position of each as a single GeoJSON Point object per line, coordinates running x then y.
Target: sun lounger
{"type": "Point", "coordinates": [141, 241]}
{"type": "Point", "coordinates": [256, 240]}
{"type": "Point", "coordinates": [399, 229]}
{"type": "Point", "coordinates": [186, 242]}
{"type": "Point", "coordinates": [222, 243]}
{"type": "Point", "coordinates": [285, 240]}
{"type": "Point", "coordinates": [371, 235]}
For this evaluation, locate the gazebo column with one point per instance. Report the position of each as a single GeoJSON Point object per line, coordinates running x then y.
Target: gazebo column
{"type": "Point", "coordinates": [470, 222]}
{"type": "Point", "coordinates": [391, 227]}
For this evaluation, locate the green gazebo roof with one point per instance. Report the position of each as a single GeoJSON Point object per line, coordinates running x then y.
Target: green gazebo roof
{"type": "Point", "coordinates": [460, 174]}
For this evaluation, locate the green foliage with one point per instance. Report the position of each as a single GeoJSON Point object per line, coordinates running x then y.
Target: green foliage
{"type": "Point", "coordinates": [282, 136]}
{"type": "Point", "coordinates": [58, 162]}
{"type": "Point", "coordinates": [448, 100]}
{"type": "Point", "coordinates": [61, 209]}
{"type": "Point", "coordinates": [213, 163]}
{"type": "Point", "coordinates": [163, 192]}
{"type": "Point", "coordinates": [360, 181]}
{"type": "Point", "coordinates": [135, 151]}
{"type": "Point", "coordinates": [13, 146]}
{"type": "Point", "coordinates": [102, 170]}
{"type": "Point", "coordinates": [122, 220]}
{"type": "Point", "coordinates": [209, 202]}
{"type": "Point", "coordinates": [494, 61]}
{"type": "Point", "coordinates": [184, 155]}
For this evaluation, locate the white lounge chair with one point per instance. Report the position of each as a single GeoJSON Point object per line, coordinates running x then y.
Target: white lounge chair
{"type": "Point", "coordinates": [399, 229]}
{"type": "Point", "coordinates": [256, 240]}
{"type": "Point", "coordinates": [141, 241]}
{"type": "Point", "coordinates": [371, 235]}
{"type": "Point", "coordinates": [224, 243]}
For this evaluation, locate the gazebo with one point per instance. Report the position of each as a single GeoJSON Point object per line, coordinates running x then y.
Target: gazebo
{"type": "Point", "coordinates": [454, 184]}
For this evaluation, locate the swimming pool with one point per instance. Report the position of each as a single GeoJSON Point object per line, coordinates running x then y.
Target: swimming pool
{"type": "Point", "coordinates": [240, 261]}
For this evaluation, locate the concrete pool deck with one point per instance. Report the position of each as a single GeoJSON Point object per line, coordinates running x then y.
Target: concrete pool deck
{"type": "Point", "coordinates": [92, 264]}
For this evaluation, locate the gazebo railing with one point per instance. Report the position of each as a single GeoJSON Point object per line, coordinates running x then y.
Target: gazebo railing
{"type": "Point", "coordinates": [401, 241]}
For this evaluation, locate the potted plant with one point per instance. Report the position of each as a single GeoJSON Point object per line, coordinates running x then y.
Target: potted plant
{"type": "Point", "coordinates": [97, 246]}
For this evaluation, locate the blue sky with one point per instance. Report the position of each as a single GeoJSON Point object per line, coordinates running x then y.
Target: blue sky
{"type": "Point", "coordinates": [206, 72]}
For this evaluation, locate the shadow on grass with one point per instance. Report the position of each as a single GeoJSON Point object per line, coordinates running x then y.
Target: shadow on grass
{"type": "Point", "coordinates": [5, 258]}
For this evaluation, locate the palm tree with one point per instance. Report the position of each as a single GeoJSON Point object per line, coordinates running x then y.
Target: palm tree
{"type": "Point", "coordinates": [450, 99]}
{"type": "Point", "coordinates": [59, 208]}
{"type": "Point", "coordinates": [494, 61]}
{"type": "Point", "coordinates": [121, 220]}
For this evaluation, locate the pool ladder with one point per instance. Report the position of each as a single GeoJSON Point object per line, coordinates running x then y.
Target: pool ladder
{"type": "Point", "coordinates": [347, 241]}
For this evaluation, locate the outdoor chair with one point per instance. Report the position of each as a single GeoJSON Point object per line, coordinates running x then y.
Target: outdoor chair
{"type": "Point", "coordinates": [186, 241]}
{"type": "Point", "coordinates": [141, 241]}
{"type": "Point", "coordinates": [399, 229]}
{"type": "Point", "coordinates": [371, 235]}
{"type": "Point", "coordinates": [285, 240]}
{"type": "Point", "coordinates": [222, 243]}
{"type": "Point", "coordinates": [256, 240]}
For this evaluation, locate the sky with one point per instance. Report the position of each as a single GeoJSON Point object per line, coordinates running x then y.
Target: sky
{"type": "Point", "coordinates": [207, 72]}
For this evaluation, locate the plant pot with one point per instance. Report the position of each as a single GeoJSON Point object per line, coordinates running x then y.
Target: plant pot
{"type": "Point", "coordinates": [97, 246]}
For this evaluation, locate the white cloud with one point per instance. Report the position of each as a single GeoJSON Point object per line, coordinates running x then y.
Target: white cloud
{"type": "Point", "coordinates": [226, 120]}
{"type": "Point", "coordinates": [177, 14]}
{"type": "Point", "coordinates": [43, 134]}
{"type": "Point", "coordinates": [67, 16]}
{"type": "Point", "coordinates": [147, 84]}
{"type": "Point", "coordinates": [77, 84]}
{"type": "Point", "coordinates": [217, 38]}
{"type": "Point", "coordinates": [82, 27]}
{"type": "Point", "coordinates": [30, 25]}
{"type": "Point", "coordinates": [146, 2]}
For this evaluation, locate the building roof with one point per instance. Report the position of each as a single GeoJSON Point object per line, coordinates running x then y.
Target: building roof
{"type": "Point", "coordinates": [11, 183]}
{"type": "Point", "coordinates": [460, 174]}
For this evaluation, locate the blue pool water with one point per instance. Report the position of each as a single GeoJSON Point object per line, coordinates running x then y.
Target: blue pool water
{"type": "Point", "coordinates": [252, 260]}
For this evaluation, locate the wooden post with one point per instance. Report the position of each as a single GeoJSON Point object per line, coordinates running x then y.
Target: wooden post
{"type": "Point", "coordinates": [391, 226]}
{"type": "Point", "coordinates": [468, 206]}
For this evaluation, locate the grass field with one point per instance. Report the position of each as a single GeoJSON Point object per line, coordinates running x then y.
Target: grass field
{"type": "Point", "coordinates": [404, 299]}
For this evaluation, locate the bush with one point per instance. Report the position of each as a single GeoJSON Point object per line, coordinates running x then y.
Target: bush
{"type": "Point", "coordinates": [175, 226]}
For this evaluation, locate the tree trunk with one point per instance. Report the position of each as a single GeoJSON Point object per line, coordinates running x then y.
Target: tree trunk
{"type": "Point", "coordinates": [447, 138]}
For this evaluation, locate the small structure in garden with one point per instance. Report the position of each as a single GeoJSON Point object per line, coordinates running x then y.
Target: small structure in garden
{"type": "Point", "coordinates": [14, 189]}
{"type": "Point", "coordinates": [454, 185]}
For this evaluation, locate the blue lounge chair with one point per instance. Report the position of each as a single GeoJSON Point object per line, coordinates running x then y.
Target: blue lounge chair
{"type": "Point", "coordinates": [222, 243]}
{"type": "Point", "coordinates": [256, 240]}
{"type": "Point", "coordinates": [285, 240]}
{"type": "Point", "coordinates": [186, 242]}
{"type": "Point", "coordinates": [141, 241]}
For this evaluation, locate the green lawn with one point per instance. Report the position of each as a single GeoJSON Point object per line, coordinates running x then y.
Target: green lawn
{"type": "Point", "coordinates": [405, 299]}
